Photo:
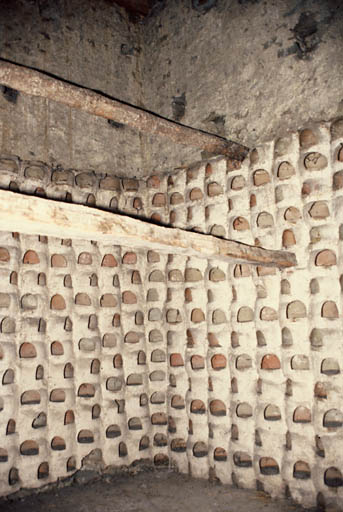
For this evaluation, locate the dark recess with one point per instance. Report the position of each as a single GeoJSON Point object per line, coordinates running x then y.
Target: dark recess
{"type": "Point", "coordinates": [179, 106]}
{"type": "Point", "coordinates": [11, 95]}
{"type": "Point", "coordinates": [203, 6]}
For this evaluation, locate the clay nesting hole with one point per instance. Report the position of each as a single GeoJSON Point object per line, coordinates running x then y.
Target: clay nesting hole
{"type": "Point", "coordinates": [85, 258]}
{"type": "Point", "coordinates": [43, 470]}
{"type": "Point", "coordinates": [86, 391]}
{"type": "Point", "coordinates": [272, 413]}
{"type": "Point", "coordinates": [56, 349]}
{"type": "Point", "coordinates": [57, 303]}
{"type": "Point", "coordinates": [243, 362]}
{"type": "Point", "coordinates": [217, 408]}
{"type": "Point", "coordinates": [30, 397]}
{"type": "Point", "coordinates": [159, 418]}
{"type": "Point", "coordinates": [158, 398]}
{"type": "Point", "coordinates": [333, 419]}
{"type": "Point", "coordinates": [58, 444]}
{"type": "Point", "coordinates": [158, 356]}
{"type": "Point", "coordinates": [269, 466]}
{"type": "Point", "coordinates": [109, 261]}
{"type": "Point", "coordinates": [29, 448]}
{"type": "Point", "coordinates": [198, 407]}
{"type": "Point", "coordinates": [178, 445]}
{"type": "Point", "coordinates": [27, 351]}
{"type": "Point", "coordinates": [113, 431]}
{"type": "Point", "coordinates": [57, 395]}
{"type": "Point", "coordinates": [218, 362]}
{"type": "Point", "coordinates": [69, 417]}
{"type": "Point", "coordinates": [200, 449]}
{"type": "Point", "coordinates": [85, 436]}
{"type": "Point", "coordinates": [8, 377]}
{"type": "Point", "coordinates": [177, 402]}
{"type": "Point", "coordinates": [301, 470]}
{"type": "Point", "coordinates": [244, 410]}
{"type": "Point", "coordinates": [333, 477]}
{"type": "Point", "coordinates": [242, 459]}
{"type": "Point", "coordinates": [330, 366]}
{"type": "Point", "coordinates": [302, 415]}
{"type": "Point", "coordinates": [31, 258]}
{"type": "Point", "coordinates": [58, 260]}
{"type": "Point", "coordinates": [270, 362]}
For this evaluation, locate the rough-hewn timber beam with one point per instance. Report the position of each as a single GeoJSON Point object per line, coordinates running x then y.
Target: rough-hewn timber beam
{"type": "Point", "coordinates": [34, 215]}
{"type": "Point", "coordinates": [39, 84]}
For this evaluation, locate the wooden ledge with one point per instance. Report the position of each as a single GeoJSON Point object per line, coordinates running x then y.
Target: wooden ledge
{"type": "Point", "coordinates": [36, 216]}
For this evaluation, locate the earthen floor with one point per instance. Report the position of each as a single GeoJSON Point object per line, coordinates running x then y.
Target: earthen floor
{"type": "Point", "coordinates": [148, 492]}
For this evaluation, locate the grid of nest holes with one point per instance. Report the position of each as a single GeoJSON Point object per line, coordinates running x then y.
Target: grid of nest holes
{"type": "Point", "coordinates": [136, 197]}
{"type": "Point", "coordinates": [266, 199]}
{"type": "Point", "coordinates": [279, 316]}
{"type": "Point", "coordinates": [115, 341]}
{"type": "Point", "coordinates": [72, 309]}
{"type": "Point", "coordinates": [288, 195]}
{"type": "Point", "coordinates": [273, 388]}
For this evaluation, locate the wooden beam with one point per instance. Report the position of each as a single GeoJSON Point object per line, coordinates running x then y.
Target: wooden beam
{"type": "Point", "coordinates": [40, 84]}
{"type": "Point", "coordinates": [38, 216]}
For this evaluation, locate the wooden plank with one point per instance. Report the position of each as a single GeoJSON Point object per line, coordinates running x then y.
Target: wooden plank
{"type": "Point", "coordinates": [40, 84]}
{"type": "Point", "coordinates": [35, 215]}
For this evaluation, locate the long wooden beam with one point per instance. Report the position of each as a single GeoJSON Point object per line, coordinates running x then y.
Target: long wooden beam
{"type": "Point", "coordinates": [40, 84]}
{"type": "Point", "coordinates": [38, 216]}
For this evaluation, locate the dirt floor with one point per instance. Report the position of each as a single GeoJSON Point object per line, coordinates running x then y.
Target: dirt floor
{"type": "Point", "coordinates": [147, 492]}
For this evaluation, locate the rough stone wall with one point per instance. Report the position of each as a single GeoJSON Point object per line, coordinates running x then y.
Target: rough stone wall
{"type": "Point", "coordinates": [246, 69]}
{"type": "Point", "coordinates": [92, 45]}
